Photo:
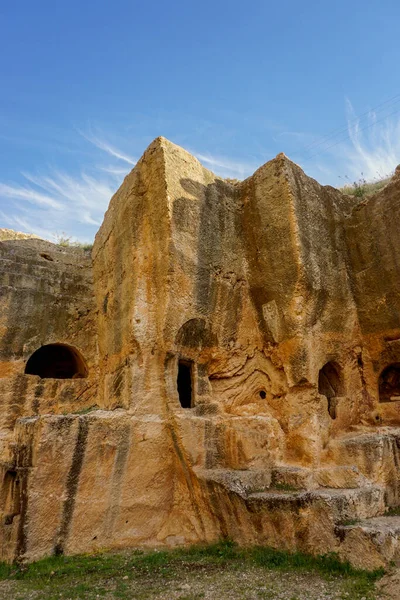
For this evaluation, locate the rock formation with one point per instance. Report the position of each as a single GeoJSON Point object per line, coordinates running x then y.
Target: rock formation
{"type": "Point", "coordinates": [225, 364]}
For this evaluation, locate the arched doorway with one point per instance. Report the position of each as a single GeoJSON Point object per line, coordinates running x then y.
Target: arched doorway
{"type": "Point", "coordinates": [389, 383]}
{"type": "Point", "coordinates": [57, 361]}
{"type": "Point", "coordinates": [330, 384]}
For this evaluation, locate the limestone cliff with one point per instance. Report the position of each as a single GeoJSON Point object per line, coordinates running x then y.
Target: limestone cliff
{"type": "Point", "coordinates": [227, 363]}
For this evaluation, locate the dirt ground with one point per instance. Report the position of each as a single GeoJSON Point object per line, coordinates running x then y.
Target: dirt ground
{"type": "Point", "coordinates": [193, 582]}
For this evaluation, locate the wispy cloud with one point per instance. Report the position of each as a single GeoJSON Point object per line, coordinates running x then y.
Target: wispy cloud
{"type": "Point", "coordinates": [113, 170]}
{"type": "Point", "coordinates": [368, 147]}
{"type": "Point", "coordinates": [23, 224]}
{"type": "Point", "coordinates": [107, 147]}
{"type": "Point", "coordinates": [29, 195]}
{"type": "Point", "coordinates": [374, 148]}
{"type": "Point", "coordinates": [226, 167]}
{"type": "Point", "coordinates": [56, 201]}
{"type": "Point", "coordinates": [65, 203]}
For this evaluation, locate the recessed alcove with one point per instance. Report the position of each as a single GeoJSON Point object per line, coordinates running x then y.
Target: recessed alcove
{"type": "Point", "coordinates": [57, 361]}
{"type": "Point", "coordinates": [330, 385]}
{"type": "Point", "coordinates": [389, 383]}
{"type": "Point", "coordinates": [11, 496]}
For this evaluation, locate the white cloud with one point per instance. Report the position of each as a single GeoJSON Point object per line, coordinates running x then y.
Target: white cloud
{"type": "Point", "coordinates": [374, 148]}
{"type": "Point", "coordinates": [226, 167]}
{"type": "Point", "coordinates": [118, 171]}
{"type": "Point", "coordinates": [20, 223]}
{"type": "Point", "coordinates": [56, 202]}
{"type": "Point", "coordinates": [19, 192]}
{"type": "Point", "coordinates": [107, 147]}
{"type": "Point", "coordinates": [63, 202]}
{"type": "Point", "coordinates": [368, 148]}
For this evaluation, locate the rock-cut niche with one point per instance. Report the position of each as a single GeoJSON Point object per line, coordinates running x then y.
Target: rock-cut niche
{"type": "Point", "coordinates": [389, 383]}
{"type": "Point", "coordinates": [184, 383]}
{"type": "Point", "coordinates": [10, 496]}
{"type": "Point", "coordinates": [330, 385]}
{"type": "Point", "coordinates": [192, 338]}
{"type": "Point", "coordinates": [57, 361]}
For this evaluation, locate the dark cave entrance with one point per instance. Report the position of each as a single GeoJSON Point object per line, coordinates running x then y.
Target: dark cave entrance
{"type": "Point", "coordinates": [185, 383]}
{"type": "Point", "coordinates": [57, 361]}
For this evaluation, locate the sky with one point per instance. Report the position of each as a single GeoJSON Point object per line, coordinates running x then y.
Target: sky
{"type": "Point", "coordinates": [86, 86]}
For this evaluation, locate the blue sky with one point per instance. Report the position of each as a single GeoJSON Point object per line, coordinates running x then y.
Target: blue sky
{"type": "Point", "coordinates": [86, 86]}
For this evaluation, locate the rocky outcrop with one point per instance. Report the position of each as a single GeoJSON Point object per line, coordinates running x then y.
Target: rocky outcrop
{"type": "Point", "coordinates": [227, 363]}
{"type": "Point", "coordinates": [10, 234]}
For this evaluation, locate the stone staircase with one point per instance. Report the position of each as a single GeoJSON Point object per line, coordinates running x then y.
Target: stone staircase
{"type": "Point", "coordinates": [342, 508]}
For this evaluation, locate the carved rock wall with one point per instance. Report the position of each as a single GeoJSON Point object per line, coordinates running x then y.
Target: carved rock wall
{"type": "Point", "coordinates": [238, 294]}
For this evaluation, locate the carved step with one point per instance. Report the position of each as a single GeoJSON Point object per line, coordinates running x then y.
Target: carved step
{"type": "Point", "coordinates": [314, 521]}
{"type": "Point", "coordinates": [372, 453]}
{"type": "Point", "coordinates": [370, 543]}
{"type": "Point", "coordinates": [241, 482]}
{"type": "Point", "coordinates": [340, 505]}
{"type": "Point", "coordinates": [376, 455]}
{"type": "Point", "coordinates": [302, 478]}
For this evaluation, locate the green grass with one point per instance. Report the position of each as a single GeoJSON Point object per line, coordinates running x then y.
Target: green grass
{"type": "Point", "coordinates": [69, 242]}
{"type": "Point", "coordinates": [394, 511]}
{"type": "Point", "coordinates": [98, 575]}
{"type": "Point", "coordinates": [363, 188]}
{"type": "Point", "coordinates": [349, 522]}
{"type": "Point", "coordinates": [6, 570]}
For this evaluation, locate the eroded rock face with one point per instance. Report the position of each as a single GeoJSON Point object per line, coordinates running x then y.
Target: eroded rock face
{"type": "Point", "coordinates": [227, 363]}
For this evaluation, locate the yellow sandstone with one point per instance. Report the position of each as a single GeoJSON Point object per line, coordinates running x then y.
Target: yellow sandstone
{"type": "Point", "coordinates": [226, 363]}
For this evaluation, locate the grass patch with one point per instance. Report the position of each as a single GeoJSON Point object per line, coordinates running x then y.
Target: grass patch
{"type": "Point", "coordinates": [6, 570]}
{"type": "Point", "coordinates": [394, 511]}
{"type": "Point", "coordinates": [68, 242]}
{"type": "Point", "coordinates": [362, 188]}
{"type": "Point", "coordinates": [284, 487]}
{"type": "Point", "coordinates": [91, 576]}
{"type": "Point", "coordinates": [328, 564]}
{"type": "Point", "coordinates": [349, 522]}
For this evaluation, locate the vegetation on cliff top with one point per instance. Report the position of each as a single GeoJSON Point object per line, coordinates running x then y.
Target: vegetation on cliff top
{"type": "Point", "coordinates": [68, 242]}
{"type": "Point", "coordinates": [362, 187]}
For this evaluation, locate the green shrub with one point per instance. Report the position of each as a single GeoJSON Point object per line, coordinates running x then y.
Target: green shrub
{"type": "Point", "coordinates": [361, 187]}
{"type": "Point", "coordinates": [68, 242]}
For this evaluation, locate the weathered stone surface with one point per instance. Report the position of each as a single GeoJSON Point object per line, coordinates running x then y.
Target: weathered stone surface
{"type": "Point", "coordinates": [389, 585]}
{"type": "Point", "coordinates": [371, 543]}
{"type": "Point", "coordinates": [225, 363]}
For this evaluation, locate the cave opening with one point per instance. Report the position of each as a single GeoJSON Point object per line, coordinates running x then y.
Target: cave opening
{"type": "Point", "coordinates": [185, 383]}
{"type": "Point", "coordinates": [57, 361]}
